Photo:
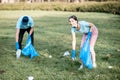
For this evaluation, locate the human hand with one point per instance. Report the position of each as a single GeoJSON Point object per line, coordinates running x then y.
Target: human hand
{"type": "Point", "coordinates": [17, 45]}
{"type": "Point", "coordinates": [89, 33]}
{"type": "Point", "coordinates": [73, 55]}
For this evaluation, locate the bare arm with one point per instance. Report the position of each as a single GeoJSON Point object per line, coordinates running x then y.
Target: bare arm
{"type": "Point", "coordinates": [31, 30]}
{"type": "Point", "coordinates": [17, 34]}
{"type": "Point", "coordinates": [73, 41]}
{"type": "Point", "coordinates": [91, 25]}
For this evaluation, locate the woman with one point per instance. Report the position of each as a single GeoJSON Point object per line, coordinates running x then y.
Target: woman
{"type": "Point", "coordinates": [83, 27]}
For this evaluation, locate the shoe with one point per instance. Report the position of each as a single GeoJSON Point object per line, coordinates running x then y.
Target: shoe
{"type": "Point", "coordinates": [94, 65]}
{"type": "Point", "coordinates": [81, 67]}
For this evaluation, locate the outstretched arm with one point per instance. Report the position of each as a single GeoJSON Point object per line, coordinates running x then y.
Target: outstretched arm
{"type": "Point", "coordinates": [73, 41]}
{"type": "Point", "coordinates": [17, 34]}
{"type": "Point", "coordinates": [31, 30]}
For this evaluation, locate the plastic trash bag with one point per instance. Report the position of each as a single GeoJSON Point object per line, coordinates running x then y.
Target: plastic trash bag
{"type": "Point", "coordinates": [85, 54]}
{"type": "Point", "coordinates": [29, 49]}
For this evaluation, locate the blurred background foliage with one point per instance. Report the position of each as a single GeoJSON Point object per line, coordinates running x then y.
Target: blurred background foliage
{"type": "Point", "coordinates": [88, 6]}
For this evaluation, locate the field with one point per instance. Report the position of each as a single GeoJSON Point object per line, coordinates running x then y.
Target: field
{"type": "Point", "coordinates": [53, 37]}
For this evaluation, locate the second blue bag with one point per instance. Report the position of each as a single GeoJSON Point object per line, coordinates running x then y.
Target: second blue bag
{"type": "Point", "coordinates": [85, 54]}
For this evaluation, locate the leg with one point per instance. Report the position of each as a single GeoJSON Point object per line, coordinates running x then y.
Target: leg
{"type": "Point", "coordinates": [92, 44]}
{"type": "Point", "coordinates": [32, 38]}
{"type": "Point", "coordinates": [32, 35]}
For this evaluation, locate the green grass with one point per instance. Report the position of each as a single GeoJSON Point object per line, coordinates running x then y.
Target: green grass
{"type": "Point", "coordinates": [53, 36]}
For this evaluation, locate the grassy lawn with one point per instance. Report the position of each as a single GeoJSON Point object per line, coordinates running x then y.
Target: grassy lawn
{"type": "Point", "coordinates": [53, 37]}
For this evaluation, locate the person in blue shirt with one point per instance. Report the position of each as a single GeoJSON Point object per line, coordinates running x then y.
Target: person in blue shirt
{"type": "Point", "coordinates": [24, 23]}
{"type": "Point", "coordinates": [83, 27]}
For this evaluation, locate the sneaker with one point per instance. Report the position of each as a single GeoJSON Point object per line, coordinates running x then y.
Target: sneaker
{"type": "Point", "coordinates": [94, 65]}
{"type": "Point", "coordinates": [81, 67]}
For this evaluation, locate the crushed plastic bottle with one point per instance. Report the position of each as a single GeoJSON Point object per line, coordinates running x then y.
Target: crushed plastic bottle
{"type": "Point", "coordinates": [18, 53]}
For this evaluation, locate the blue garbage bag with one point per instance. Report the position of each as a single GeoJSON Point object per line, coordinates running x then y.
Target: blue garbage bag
{"type": "Point", "coordinates": [29, 49]}
{"type": "Point", "coordinates": [85, 54]}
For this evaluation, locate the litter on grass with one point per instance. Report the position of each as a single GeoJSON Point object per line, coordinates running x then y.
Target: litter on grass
{"type": "Point", "coordinates": [50, 56]}
{"type": "Point", "coordinates": [110, 67]}
{"type": "Point", "coordinates": [66, 53]}
{"type": "Point", "coordinates": [18, 53]}
{"type": "Point", "coordinates": [30, 78]}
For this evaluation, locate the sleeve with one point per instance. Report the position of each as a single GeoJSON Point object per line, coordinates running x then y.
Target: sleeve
{"type": "Point", "coordinates": [19, 23]}
{"type": "Point", "coordinates": [31, 22]}
{"type": "Point", "coordinates": [84, 26]}
{"type": "Point", "coordinates": [85, 23]}
{"type": "Point", "coordinates": [73, 30]}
